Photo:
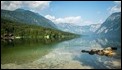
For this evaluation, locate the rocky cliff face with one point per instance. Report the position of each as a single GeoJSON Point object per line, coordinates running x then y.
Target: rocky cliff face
{"type": "Point", "coordinates": [111, 27]}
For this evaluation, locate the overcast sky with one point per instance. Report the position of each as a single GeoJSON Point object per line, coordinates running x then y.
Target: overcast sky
{"type": "Point", "coordinates": [72, 12]}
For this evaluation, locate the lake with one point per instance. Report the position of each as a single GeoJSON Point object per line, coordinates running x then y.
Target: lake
{"type": "Point", "coordinates": [46, 54]}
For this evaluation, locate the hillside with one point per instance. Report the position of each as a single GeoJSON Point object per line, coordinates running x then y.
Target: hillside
{"type": "Point", "coordinates": [24, 30]}
{"type": "Point", "coordinates": [28, 17]}
{"type": "Point", "coordinates": [111, 27]}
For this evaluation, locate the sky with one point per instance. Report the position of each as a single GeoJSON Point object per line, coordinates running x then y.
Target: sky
{"type": "Point", "coordinates": [73, 12]}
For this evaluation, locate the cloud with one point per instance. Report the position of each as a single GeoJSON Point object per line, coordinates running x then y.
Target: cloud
{"type": "Point", "coordinates": [50, 17]}
{"type": "Point", "coordinates": [10, 5]}
{"type": "Point", "coordinates": [32, 5]}
{"type": "Point", "coordinates": [117, 1]}
{"type": "Point", "coordinates": [76, 20]}
{"type": "Point", "coordinates": [71, 19]}
{"type": "Point", "coordinates": [37, 5]}
{"type": "Point", "coordinates": [87, 22]}
{"type": "Point", "coordinates": [116, 8]}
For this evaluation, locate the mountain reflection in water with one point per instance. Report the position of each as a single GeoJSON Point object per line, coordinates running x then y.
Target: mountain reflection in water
{"type": "Point", "coordinates": [63, 54]}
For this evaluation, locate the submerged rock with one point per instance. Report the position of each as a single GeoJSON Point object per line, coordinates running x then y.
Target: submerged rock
{"type": "Point", "coordinates": [109, 51]}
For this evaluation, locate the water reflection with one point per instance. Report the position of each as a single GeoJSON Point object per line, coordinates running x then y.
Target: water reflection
{"type": "Point", "coordinates": [22, 51]}
{"type": "Point", "coordinates": [98, 61]}
{"type": "Point", "coordinates": [63, 54]}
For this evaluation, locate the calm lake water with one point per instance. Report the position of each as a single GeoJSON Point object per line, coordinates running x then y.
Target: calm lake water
{"type": "Point", "coordinates": [36, 54]}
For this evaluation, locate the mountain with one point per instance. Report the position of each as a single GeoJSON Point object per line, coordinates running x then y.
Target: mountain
{"type": "Point", "coordinates": [26, 16]}
{"type": "Point", "coordinates": [84, 30]}
{"type": "Point", "coordinates": [10, 29]}
{"type": "Point", "coordinates": [69, 28]}
{"type": "Point", "coordinates": [111, 27]}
